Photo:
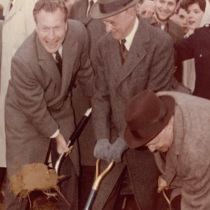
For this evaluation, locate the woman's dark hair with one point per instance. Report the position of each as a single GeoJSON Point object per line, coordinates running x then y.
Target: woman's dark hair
{"type": "Point", "coordinates": [201, 4]}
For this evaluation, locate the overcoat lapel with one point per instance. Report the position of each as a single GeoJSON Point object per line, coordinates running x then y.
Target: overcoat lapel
{"type": "Point", "coordinates": [70, 48]}
{"type": "Point", "coordinates": [115, 63]}
{"type": "Point", "coordinates": [136, 53]}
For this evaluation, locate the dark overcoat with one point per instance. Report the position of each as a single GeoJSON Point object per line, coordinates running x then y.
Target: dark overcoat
{"type": "Point", "coordinates": [197, 46]}
{"type": "Point", "coordinates": [149, 64]}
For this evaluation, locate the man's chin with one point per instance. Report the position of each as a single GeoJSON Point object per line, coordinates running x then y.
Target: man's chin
{"type": "Point", "coordinates": [163, 18]}
{"type": "Point", "coordinates": [51, 50]}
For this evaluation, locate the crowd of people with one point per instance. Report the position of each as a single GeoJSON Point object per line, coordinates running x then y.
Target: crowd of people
{"type": "Point", "coordinates": [142, 65]}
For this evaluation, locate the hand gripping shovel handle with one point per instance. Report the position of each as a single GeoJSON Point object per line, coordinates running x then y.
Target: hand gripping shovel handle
{"type": "Point", "coordinates": [98, 179]}
{"type": "Point", "coordinates": [78, 130]}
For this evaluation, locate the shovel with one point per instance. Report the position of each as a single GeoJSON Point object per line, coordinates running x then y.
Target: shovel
{"type": "Point", "coordinates": [78, 130]}
{"type": "Point", "coordinates": [98, 179]}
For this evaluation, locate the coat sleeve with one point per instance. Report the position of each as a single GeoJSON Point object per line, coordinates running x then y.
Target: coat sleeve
{"type": "Point", "coordinates": [30, 98]}
{"type": "Point", "coordinates": [184, 49]}
{"type": "Point", "coordinates": [162, 65]}
{"type": "Point", "coordinates": [101, 100]}
{"type": "Point", "coordinates": [196, 185]}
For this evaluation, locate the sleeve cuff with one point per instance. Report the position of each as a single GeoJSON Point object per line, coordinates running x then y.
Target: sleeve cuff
{"type": "Point", "coordinates": [55, 134]}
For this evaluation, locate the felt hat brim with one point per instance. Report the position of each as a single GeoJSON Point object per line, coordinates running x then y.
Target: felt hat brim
{"type": "Point", "coordinates": [136, 141]}
{"type": "Point", "coordinates": [96, 13]}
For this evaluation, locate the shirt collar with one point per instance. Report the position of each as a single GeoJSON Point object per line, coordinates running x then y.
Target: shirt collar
{"type": "Point", "coordinates": [60, 51]}
{"type": "Point", "coordinates": [92, 0]}
{"type": "Point", "coordinates": [130, 37]}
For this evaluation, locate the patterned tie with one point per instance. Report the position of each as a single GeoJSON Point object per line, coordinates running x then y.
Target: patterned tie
{"type": "Point", "coordinates": [123, 50]}
{"type": "Point", "coordinates": [58, 60]}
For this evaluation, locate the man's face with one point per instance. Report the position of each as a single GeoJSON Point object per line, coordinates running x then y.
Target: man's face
{"type": "Point", "coordinates": [164, 9]}
{"type": "Point", "coordinates": [51, 29]}
{"type": "Point", "coordinates": [195, 15]}
{"type": "Point", "coordinates": [181, 18]}
{"type": "Point", "coordinates": [163, 140]}
{"type": "Point", "coordinates": [121, 24]}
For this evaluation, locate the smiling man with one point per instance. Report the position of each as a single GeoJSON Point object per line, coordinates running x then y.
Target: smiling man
{"type": "Point", "coordinates": [38, 108]}
{"type": "Point", "coordinates": [164, 10]}
{"type": "Point", "coordinates": [175, 127]}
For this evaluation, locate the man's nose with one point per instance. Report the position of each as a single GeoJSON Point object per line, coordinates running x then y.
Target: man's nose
{"type": "Point", "coordinates": [51, 34]}
{"type": "Point", "coordinates": [165, 6]}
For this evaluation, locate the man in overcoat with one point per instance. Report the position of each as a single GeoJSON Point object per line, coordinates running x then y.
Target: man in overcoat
{"type": "Point", "coordinates": [148, 64]}
{"type": "Point", "coordinates": [38, 105]}
{"type": "Point", "coordinates": [164, 10]}
{"type": "Point", "coordinates": [175, 127]}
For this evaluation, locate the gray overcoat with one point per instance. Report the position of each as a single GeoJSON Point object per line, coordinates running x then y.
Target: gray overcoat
{"type": "Point", "coordinates": [187, 168]}
{"type": "Point", "coordinates": [149, 64]}
{"type": "Point", "coordinates": [38, 98]}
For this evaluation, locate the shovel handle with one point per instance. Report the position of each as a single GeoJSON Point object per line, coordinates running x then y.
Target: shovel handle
{"type": "Point", "coordinates": [74, 136]}
{"type": "Point", "coordinates": [98, 178]}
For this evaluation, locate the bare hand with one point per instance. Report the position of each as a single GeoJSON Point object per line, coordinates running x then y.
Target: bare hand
{"type": "Point", "coordinates": [162, 184]}
{"type": "Point", "coordinates": [61, 144]}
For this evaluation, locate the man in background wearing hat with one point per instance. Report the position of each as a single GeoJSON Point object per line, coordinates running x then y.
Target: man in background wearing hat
{"type": "Point", "coordinates": [145, 61]}
{"type": "Point", "coordinates": [176, 126]}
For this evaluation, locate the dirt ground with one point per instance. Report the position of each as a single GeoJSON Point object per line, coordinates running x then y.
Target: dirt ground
{"type": "Point", "coordinates": [86, 180]}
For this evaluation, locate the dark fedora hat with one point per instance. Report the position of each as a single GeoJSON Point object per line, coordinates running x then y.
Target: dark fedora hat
{"type": "Point", "coordinates": [146, 115]}
{"type": "Point", "coordinates": [106, 8]}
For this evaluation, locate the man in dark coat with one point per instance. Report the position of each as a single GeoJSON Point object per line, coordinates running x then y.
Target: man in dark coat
{"type": "Point", "coordinates": [197, 46]}
{"type": "Point", "coordinates": [38, 108]}
{"type": "Point", "coordinates": [147, 64]}
{"type": "Point", "coordinates": [164, 9]}
{"type": "Point", "coordinates": [163, 12]}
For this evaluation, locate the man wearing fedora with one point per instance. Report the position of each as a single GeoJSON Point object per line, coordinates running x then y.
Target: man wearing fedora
{"type": "Point", "coordinates": [174, 126]}
{"type": "Point", "coordinates": [145, 61]}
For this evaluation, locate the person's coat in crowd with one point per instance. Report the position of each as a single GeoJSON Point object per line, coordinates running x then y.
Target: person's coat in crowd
{"type": "Point", "coordinates": [197, 46]}
{"type": "Point", "coordinates": [18, 24]}
{"type": "Point", "coordinates": [149, 65]}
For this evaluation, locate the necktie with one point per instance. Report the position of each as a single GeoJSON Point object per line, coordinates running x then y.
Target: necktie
{"type": "Point", "coordinates": [123, 50]}
{"type": "Point", "coordinates": [91, 2]}
{"type": "Point", "coordinates": [58, 60]}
